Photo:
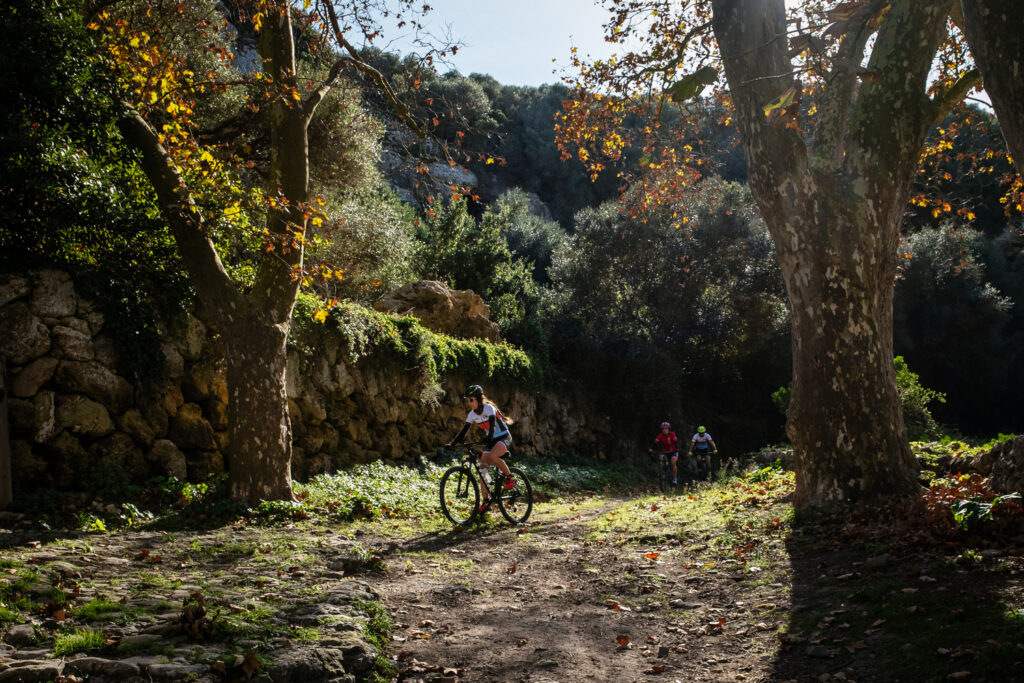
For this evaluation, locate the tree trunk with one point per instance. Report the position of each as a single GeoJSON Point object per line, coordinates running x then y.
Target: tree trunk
{"type": "Point", "coordinates": [6, 486]}
{"type": "Point", "coordinates": [845, 421]}
{"type": "Point", "coordinates": [255, 327]}
{"type": "Point", "coordinates": [833, 209]}
{"type": "Point", "coordinates": [994, 30]}
{"type": "Point", "coordinates": [259, 429]}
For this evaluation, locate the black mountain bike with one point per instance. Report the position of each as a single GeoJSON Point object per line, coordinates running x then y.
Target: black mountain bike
{"type": "Point", "coordinates": [460, 490]}
{"type": "Point", "coordinates": [664, 470]}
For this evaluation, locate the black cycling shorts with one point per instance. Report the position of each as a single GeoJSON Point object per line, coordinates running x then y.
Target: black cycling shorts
{"type": "Point", "coordinates": [504, 438]}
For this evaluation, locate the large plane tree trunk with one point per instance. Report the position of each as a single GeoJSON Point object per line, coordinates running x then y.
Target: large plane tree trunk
{"type": "Point", "coordinates": [833, 208]}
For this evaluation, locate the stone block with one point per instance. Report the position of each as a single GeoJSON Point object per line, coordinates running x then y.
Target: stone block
{"type": "Point", "coordinates": [34, 375]}
{"type": "Point", "coordinates": [95, 381]}
{"type": "Point", "coordinates": [83, 417]}
{"type": "Point", "coordinates": [135, 425]}
{"type": "Point", "coordinates": [190, 430]}
{"type": "Point", "coordinates": [12, 287]}
{"type": "Point", "coordinates": [71, 343]}
{"type": "Point", "coordinates": [54, 295]}
{"type": "Point", "coordinates": [25, 336]}
{"type": "Point", "coordinates": [170, 459]}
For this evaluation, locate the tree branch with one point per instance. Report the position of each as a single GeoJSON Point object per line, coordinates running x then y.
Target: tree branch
{"type": "Point", "coordinates": [313, 101]}
{"type": "Point", "coordinates": [892, 112]}
{"type": "Point", "coordinates": [954, 94]}
{"type": "Point", "coordinates": [400, 108]}
{"type": "Point", "coordinates": [754, 46]}
{"type": "Point", "coordinates": [211, 280]}
{"type": "Point", "coordinates": [840, 86]}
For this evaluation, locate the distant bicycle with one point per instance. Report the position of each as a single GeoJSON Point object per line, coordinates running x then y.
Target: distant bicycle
{"type": "Point", "coordinates": [664, 470]}
{"type": "Point", "coordinates": [460, 490]}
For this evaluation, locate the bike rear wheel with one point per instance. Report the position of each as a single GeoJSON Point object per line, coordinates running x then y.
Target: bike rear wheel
{"type": "Point", "coordinates": [460, 495]}
{"type": "Point", "coordinates": [516, 503]}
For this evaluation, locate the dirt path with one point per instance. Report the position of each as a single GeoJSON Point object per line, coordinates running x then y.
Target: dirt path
{"type": "Point", "coordinates": [543, 603]}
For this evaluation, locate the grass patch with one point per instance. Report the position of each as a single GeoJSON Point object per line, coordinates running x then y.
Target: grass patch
{"type": "Point", "coordinates": [378, 631]}
{"type": "Point", "coordinates": [97, 609]}
{"type": "Point", "coordinates": [8, 615]}
{"type": "Point", "coordinates": [78, 640]}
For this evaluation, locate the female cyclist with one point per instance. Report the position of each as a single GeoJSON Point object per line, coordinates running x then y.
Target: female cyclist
{"type": "Point", "coordinates": [484, 414]}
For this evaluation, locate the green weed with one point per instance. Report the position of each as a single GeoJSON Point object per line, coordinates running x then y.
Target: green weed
{"type": "Point", "coordinates": [78, 640]}
{"type": "Point", "coordinates": [97, 609]}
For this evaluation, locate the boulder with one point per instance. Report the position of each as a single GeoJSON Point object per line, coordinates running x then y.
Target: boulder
{"type": "Point", "coordinates": [95, 381]}
{"type": "Point", "coordinates": [170, 459]}
{"type": "Point", "coordinates": [135, 426]}
{"type": "Point", "coordinates": [25, 336]}
{"type": "Point", "coordinates": [12, 287]}
{"type": "Point", "coordinates": [447, 175]}
{"type": "Point", "coordinates": [174, 364]}
{"type": "Point", "coordinates": [34, 375]}
{"type": "Point", "coordinates": [83, 417]}
{"type": "Point", "coordinates": [459, 313]}
{"type": "Point", "coordinates": [217, 414]}
{"type": "Point", "coordinates": [1003, 464]}
{"type": "Point", "coordinates": [105, 351]}
{"type": "Point", "coordinates": [119, 452]}
{"type": "Point", "coordinates": [69, 448]}
{"type": "Point", "coordinates": [311, 402]}
{"type": "Point", "coordinates": [54, 295]}
{"type": "Point", "coordinates": [26, 465]}
{"type": "Point", "coordinates": [71, 343]}
{"type": "Point", "coordinates": [190, 430]}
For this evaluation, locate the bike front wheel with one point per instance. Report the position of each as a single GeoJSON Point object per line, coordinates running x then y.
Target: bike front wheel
{"type": "Point", "coordinates": [460, 495]}
{"type": "Point", "coordinates": [516, 503]}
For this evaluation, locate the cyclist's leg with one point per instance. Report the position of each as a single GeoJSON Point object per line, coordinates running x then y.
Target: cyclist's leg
{"type": "Point", "coordinates": [484, 491]}
{"type": "Point", "coordinates": [493, 456]}
{"type": "Point", "coordinates": [675, 467]}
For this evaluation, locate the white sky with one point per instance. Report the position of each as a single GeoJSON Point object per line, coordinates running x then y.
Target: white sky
{"type": "Point", "coordinates": [515, 41]}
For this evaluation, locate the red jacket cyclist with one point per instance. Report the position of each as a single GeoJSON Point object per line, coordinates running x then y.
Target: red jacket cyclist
{"type": "Point", "coordinates": [668, 444]}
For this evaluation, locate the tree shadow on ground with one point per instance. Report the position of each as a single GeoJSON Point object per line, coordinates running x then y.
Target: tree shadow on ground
{"type": "Point", "coordinates": [886, 611]}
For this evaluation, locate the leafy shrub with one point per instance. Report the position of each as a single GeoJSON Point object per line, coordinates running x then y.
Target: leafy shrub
{"type": "Point", "coordinates": [970, 513]}
{"type": "Point", "coordinates": [914, 399]}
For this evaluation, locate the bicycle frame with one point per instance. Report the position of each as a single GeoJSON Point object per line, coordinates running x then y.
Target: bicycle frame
{"type": "Point", "coordinates": [473, 458]}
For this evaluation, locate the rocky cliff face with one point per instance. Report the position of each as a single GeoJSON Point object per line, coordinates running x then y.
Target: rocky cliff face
{"type": "Point", "coordinates": [74, 412]}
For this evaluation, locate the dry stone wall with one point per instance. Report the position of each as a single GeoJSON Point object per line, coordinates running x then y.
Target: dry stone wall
{"type": "Point", "coordinates": [75, 414]}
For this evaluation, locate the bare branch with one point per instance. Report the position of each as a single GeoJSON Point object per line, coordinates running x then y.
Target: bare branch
{"type": "Point", "coordinates": [400, 108]}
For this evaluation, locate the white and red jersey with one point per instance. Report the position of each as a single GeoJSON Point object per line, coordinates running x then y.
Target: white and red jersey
{"type": "Point", "coordinates": [483, 418]}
